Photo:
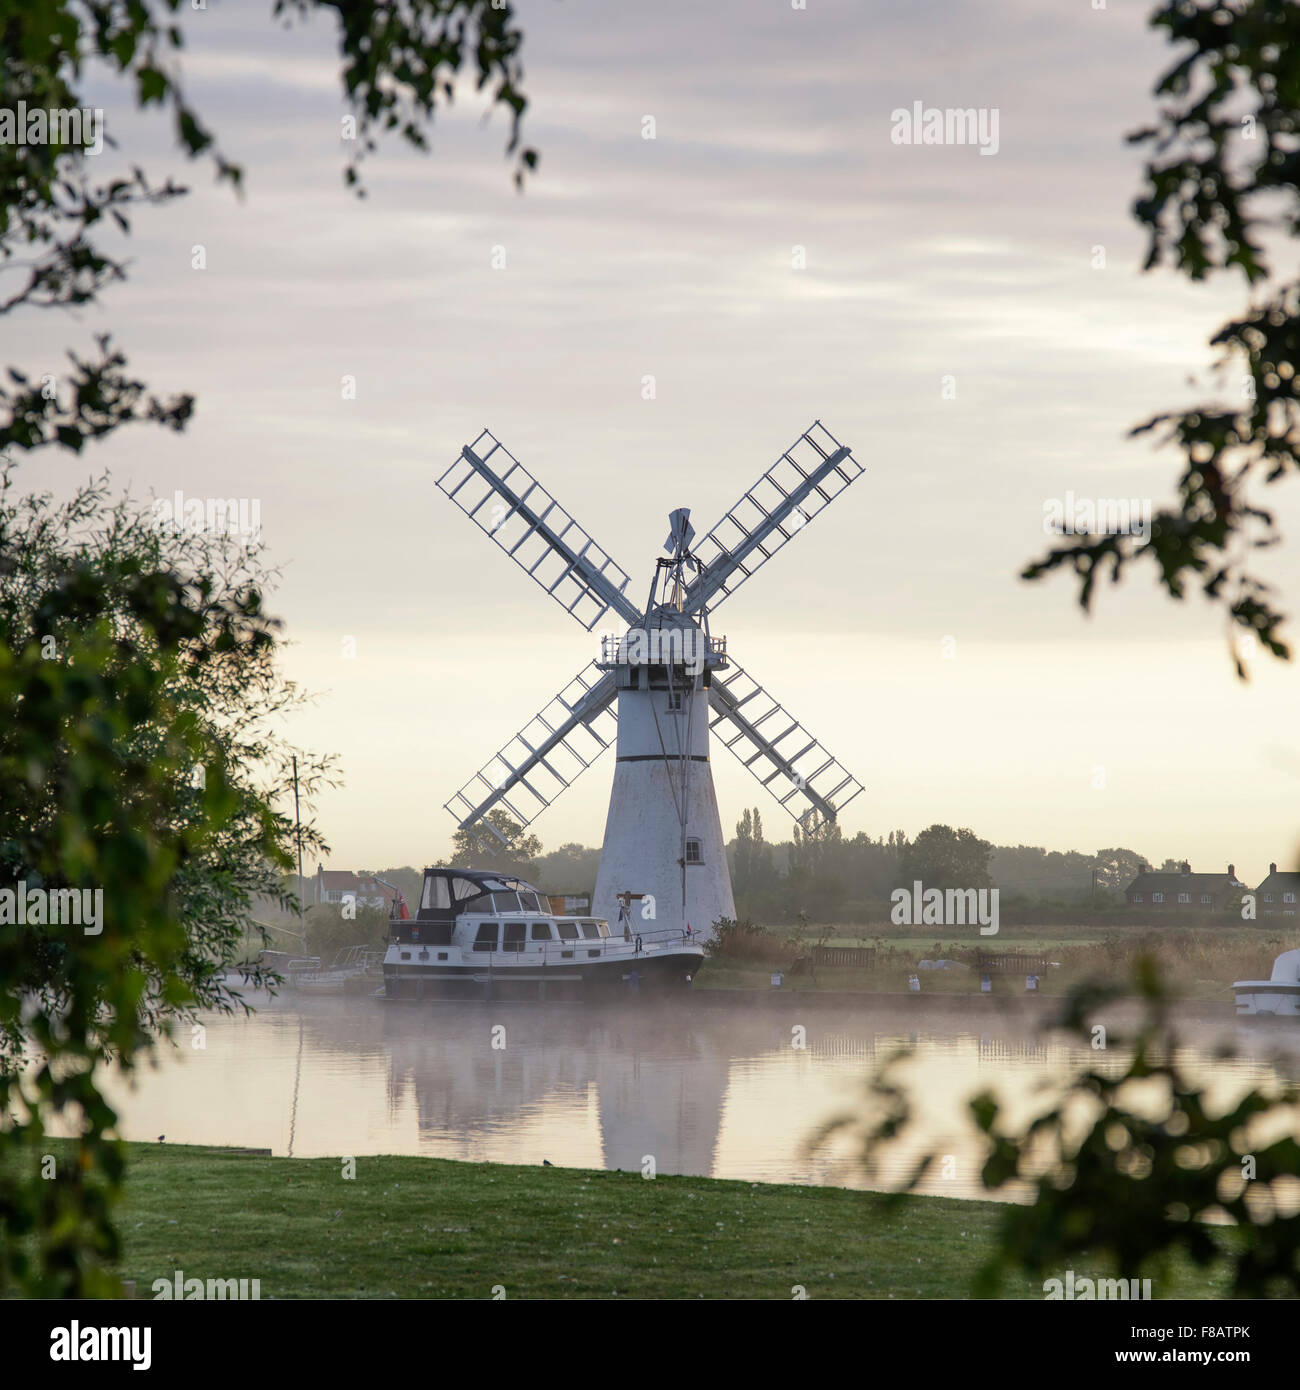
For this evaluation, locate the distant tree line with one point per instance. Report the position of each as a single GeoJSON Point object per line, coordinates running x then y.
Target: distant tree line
{"type": "Point", "coordinates": [823, 876]}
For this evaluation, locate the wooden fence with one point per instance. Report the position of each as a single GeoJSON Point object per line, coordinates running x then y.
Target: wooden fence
{"type": "Point", "coordinates": [1009, 963]}
{"type": "Point", "coordinates": [855, 957]}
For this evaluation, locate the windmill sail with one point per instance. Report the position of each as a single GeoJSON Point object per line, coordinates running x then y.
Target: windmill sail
{"type": "Point", "coordinates": [501, 497]}
{"type": "Point", "coordinates": [664, 767]}
{"type": "Point", "coordinates": [543, 759]}
{"type": "Point", "coordinates": [805, 480]}
{"type": "Point", "coordinates": [777, 749]}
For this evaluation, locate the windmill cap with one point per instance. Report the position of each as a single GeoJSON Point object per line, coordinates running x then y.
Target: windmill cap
{"type": "Point", "coordinates": [680, 531]}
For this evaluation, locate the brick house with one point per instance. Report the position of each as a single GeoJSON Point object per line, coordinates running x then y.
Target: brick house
{"type": "Point", "coordinates": [1277, 895]}
{"type": "Point", "coordinates": [1182, 892]}
{"type": "Point", "coordinates": [333, 885]}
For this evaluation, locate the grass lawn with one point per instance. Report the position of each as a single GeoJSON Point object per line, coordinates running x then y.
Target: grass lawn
{"type": "Point", "coordinates": [433, 1228]}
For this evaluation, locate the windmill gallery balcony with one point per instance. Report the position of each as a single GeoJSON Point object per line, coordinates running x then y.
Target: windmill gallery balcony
{"type": "Point", "coordinates": [662, 646]}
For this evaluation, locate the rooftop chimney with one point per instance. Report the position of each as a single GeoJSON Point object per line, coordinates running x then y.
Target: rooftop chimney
{"type": "Point", "coordinates": [1232, 871]}
{"type": "Point", "coordinates": [1272, 868]}
{"type": "Point", "coordinates": [1187, 868]}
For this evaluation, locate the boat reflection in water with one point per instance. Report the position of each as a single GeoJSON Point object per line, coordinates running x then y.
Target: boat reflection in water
{"type": "Point", "coordinates": [711, 1088]}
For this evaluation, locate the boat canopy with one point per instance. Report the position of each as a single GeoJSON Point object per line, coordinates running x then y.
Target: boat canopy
{"type": "Point", "coordinates": [449, 892]}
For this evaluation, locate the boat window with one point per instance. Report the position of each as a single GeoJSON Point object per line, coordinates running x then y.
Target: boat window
{"type": "Point", "coordinates": [486, 940]}
{"type": "Point", "coordinates": [465, 888]}
{"type": "Point", "coordinates": [589, 931]}
{"type": "Point", "coordinates": [435, 894]}
{"type": "Point", "coordinates": [436, 933]}
{"type": "Point", "coordinates": [603, 928]}
{"type": "Point", "coordinates": [568, 931]}
{"type": "Point", "coordinates": [514, 936]}
{"type": "Point", "coordinates": [505, 902]}
{"type": "Point", "coordinates": [531, 902]}
{"type": "Point", "coordinates": [483, 903]}
{"type": "Point", "coordinates": [542, 931]}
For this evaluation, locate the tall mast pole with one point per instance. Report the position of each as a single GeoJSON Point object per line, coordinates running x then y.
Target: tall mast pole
{"type": "Point", "coordinates": [297, 820]}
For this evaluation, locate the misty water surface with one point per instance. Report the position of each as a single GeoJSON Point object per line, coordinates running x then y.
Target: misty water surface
{"type": "Point", "coordinates": [706, 1090]}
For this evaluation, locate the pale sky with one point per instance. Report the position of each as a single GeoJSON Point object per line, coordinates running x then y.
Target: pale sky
{"type": "Point", "coordinates": [674, 258]}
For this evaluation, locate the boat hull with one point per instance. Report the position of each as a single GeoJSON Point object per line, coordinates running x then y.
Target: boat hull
{"type": "Point", "coordinates": [661, 973]}
{"type": "Point", "coordinates": [1265, 998]}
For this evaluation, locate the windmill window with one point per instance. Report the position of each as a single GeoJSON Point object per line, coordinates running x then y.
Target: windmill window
{"type": "Point", "coordinates": [486, 940]}
{"type": "Point", "coordinates": [515, 933]}
{"type": "Point", "coordinates": [568, 931]}
{"type": "Point", "coordinates": [694, 852]}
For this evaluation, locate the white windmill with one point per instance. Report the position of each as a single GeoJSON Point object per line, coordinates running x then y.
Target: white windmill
{"type": "Point", "coordinates": [662, 686]}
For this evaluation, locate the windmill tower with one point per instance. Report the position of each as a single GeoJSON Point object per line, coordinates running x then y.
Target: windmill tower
{"type": "Point", "coordinates": [660, 691]}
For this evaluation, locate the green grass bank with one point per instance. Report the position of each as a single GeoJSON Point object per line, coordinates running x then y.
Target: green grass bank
{"type": "Point", "coordinates": [434, 1228]}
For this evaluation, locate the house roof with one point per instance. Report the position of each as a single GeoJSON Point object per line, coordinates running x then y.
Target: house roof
{"type": "Point", "coordinates": [1282, 880]}
{"type": "Point", "coordinates": [337, 878]}
{"type": "Point", "coordinates": [345, 880]}
{"type": "Point", "coordinates": [1174, 883]}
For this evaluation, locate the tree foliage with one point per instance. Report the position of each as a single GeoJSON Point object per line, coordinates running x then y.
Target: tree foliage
{"type": "Point", "coordinates": [1222, 174]}
{"type": "Point", "coordinates": [137, 683]}
{"type": "Point", "coordinates": [127, 706]}
{"type": "Point", "coordinates": [1125, 1164]}
{"type": "Point", "coordinates": [752, 869]}
{"type": "Point", "coordinates": [509, 851]}
{"type": "Point", "coordinates": [941, 857]}
{"type": "Point", "coordinates": [237, 700]}
{"type": "Point", "coordinates": [398, 66]}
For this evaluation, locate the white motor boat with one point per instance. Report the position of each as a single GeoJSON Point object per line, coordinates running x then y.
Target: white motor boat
{"type": "Point", "coordinates": [1279, 995]}
{"type": "Point", "coordinates": [480, 935]}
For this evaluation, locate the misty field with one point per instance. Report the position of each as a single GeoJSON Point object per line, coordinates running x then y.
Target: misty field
{"type": "Point", "coordinates": [1194, 962]}
{"type": "Point", "coordinates": [434, 1228]}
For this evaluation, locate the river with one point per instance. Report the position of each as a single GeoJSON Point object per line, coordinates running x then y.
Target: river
{"type": "Point", "coordinates": [728, 1089]}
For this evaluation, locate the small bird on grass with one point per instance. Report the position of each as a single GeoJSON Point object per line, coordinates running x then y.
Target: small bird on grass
{"type": "Point", "coordinates": [546, 1163]}
{"type": "Point", "coordinates": [161, 1137]}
